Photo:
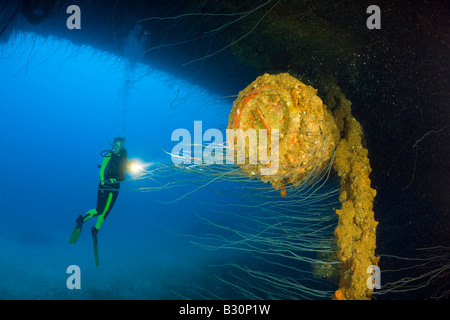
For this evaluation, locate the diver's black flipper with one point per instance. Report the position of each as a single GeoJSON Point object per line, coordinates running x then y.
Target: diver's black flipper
{"type": "Point", "coordinates": [94, 237]}
{"type": "Point", "coordinates": [76, 232]}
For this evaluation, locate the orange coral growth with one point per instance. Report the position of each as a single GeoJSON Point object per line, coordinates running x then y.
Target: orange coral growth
{"type": "Point", "coordinates": [307, 138]}
{"type": "Point", "coordinates": [338, 295]}
{"type": "Point", "coordinates": [283, 190]}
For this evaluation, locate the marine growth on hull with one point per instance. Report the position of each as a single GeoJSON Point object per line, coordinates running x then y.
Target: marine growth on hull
{"type": "Point", "coordinates": [311, 137]}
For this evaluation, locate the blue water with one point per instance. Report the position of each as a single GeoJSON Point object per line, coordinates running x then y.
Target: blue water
{"type": "Point", "coordinates": [61, 105]}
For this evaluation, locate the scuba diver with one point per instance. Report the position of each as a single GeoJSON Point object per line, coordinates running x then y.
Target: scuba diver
{"type": "Point", "coordinates": [112, 172]}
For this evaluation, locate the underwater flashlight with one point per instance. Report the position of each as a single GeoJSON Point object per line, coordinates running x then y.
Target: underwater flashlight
{"type": "Point", "coordinates": [134, 166]}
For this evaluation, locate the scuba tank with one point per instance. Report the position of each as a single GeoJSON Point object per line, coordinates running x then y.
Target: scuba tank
{"type": "Point", "coordinates": [117, 165]}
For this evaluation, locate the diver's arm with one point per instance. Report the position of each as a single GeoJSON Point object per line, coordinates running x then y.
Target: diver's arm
{"type": "Point", "coordinates": [103, 167]}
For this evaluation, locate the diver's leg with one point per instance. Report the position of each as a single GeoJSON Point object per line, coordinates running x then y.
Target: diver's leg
{"type": "Point", "coordinates": [111, 197]}
{"type": "Point", "coordinates": [101, 200]}
{"type": "Point", "coordinates": [101, 196]}
{"type": "Point", "coordinates": [94, 238]}
{"type": "Point", "coordinates": [115, 193]}
{"type": "Point", "coordinates": [106, 209]}
{"type": "Point", "coordinates": [110, 201]}
{"type": "Point", "coordinates": [80, 220]}
{"type": "Point", "coordinates": [104, 199]}
{"type": "Point", "coordinates": [90, 214]}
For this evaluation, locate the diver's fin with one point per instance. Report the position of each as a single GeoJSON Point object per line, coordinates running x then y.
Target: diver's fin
{"type": "Point", "coordinates": [76, 232]}
{"type": "Point", "coordinates": [94, 237]}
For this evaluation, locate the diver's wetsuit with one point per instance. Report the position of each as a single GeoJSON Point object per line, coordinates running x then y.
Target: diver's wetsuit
{"type": "Point", "coordinates": [112, 171]}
